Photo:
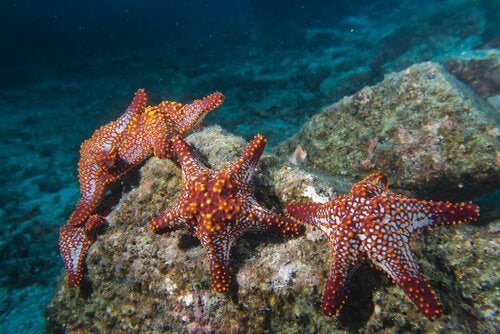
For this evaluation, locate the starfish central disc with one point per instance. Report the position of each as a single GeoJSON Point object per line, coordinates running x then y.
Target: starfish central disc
{"type": "Point", "coordinates": [371, 223]}
{"type": "Point", "coordinates": [219, 206]}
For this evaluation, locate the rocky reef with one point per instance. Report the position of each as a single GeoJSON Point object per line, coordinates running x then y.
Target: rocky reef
{"type": "Point", "coordinates": [427, 130]}
{"type": "Point", "coordinates": [480, 70]}
{"type": "Point", "coordinates": [140, 282]}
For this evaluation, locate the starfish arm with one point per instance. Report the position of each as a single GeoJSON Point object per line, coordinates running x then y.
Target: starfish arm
{"type": "Point", "coordinates": [394, 257]}
{"type": "Point", "coordinates": [171, 219]}
{"type": "Point", "coordinates": [136, 107]}
{"type": "Point", "coordinates": [413, 215]}
{"type": "Point", "coordinates": [373, 185]}
{"type": "Point", "coordinates": [190, 165]}
{"type": "Point", "coordinates": [105, 140]}
{"type": "Point", "coordinates": [158, 132]}
{"type": "Point", "coordinates": [191, 114]}
{"type": "Point", "coordinates": [73, 246]}
{"type": "Point", "coordinates": [217, 247]}
{"type": "Point", "coordinates": [111, 134]}
{"type": "Point", "coordinates": [92, 190]}
{"type": "Point", "coordinates": [99, 156]}
{"type": "Point", "coordinates": [219, 273]}
{"type": "Point", "coordinates": [420, 293]}
{"type": "Point", "coordinates": [337, 286]}
{"type": "Point", "coordinates": [315, 214]}
{"type": "Point", "coordinates": [243, 168]}
{"type": "Point", "coordinates": [255, 217]}
{"type": "Point", "coordinates": [74, 243]}
{"type": "Point", "coordinates": [428, 214]}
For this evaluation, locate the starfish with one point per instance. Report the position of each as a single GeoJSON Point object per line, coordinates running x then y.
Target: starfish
{"type": "Point", "coordinates": [115, 148]}
{"type": "Point", "coordinates": [74, 243]}
{"type": "Point", "coordinates": [371, 223]}
{"type": "Point", "coordinates": [219, 206]}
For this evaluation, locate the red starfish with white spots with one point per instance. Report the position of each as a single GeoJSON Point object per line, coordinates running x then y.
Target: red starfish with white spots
{"type": "Point", "coordinates": [114, 149]}
{"type": "Point", "coordinates": [218, 207]}
{"type": "Point", "coordinates": [371, 223]}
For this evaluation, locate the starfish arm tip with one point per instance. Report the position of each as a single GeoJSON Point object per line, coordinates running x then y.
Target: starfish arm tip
{"type": "Point", "coordinates": [374, 184]}
{"type": "Point", "coordinates": [168, 221]}
{"type": "Point", "coordinates": [420, 293]}
{"type": "Point", "coordinates": [219, 271]}
{"type": "Point", "coordinates": [244, 167]}
{"type": "Point", "coordinates": [186, 117]}
{"type": "Point", "coordinates": [221, 278]}
{"type": "Point", "coordinates": [334, 295]}
{"type": "Point", "coordinates": [73, 246]}
{"type": "Point", "coordinates": [139, 101]}
{"type": "Point", "coordinates": [444, 213]}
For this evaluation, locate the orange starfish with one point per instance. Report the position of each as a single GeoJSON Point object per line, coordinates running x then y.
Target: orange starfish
{"type": "Point", "coordinates": [371, 223]}
{"type": "Point", "coordinates": [114, 149]}
{"type": "Point", "coordinates": [218, 207]}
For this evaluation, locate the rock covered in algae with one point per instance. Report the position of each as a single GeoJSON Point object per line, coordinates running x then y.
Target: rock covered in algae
{"type": "Point", "coordinates": [141, 282]}
{"type": "Point", "coordinates": [479, 69]}
{"type": "Point", "coordinates": [423, 127]}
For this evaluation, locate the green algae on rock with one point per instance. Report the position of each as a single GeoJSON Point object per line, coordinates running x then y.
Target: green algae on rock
{"type": "Point", "coordinates": [421, 126]}
{"type": "Point", "coordinates": [139, 282]}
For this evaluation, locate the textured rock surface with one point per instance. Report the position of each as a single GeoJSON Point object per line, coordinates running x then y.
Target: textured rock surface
{"type": "Point", "coordinates": [140, 282]}
{"type": "Point", "coordinates": [480, 70]}
{"type": "Point", "coordinates": [423, 127]}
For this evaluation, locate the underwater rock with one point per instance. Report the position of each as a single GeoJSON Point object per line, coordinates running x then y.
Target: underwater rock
{"type": "Point", "coordinates": [480, 70]}
{"type": "Point", "coordinates": [141, 282]}
{"type": "Point", "coordinates": [421, 126]}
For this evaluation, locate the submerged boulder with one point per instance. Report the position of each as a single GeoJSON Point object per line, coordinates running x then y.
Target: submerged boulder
{"type": "Point", "coordinates": [479, 69]}
{"type": "Point", "coordinates": [141, 282]}
{"type": "Point", "coordinates": [421, 126]}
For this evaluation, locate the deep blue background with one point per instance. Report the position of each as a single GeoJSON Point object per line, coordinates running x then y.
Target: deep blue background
{"type": "Point", "coordinates": [53, 33]}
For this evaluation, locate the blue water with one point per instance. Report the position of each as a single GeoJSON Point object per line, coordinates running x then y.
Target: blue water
{"type": "Point", "coordinates": [68, 67]}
